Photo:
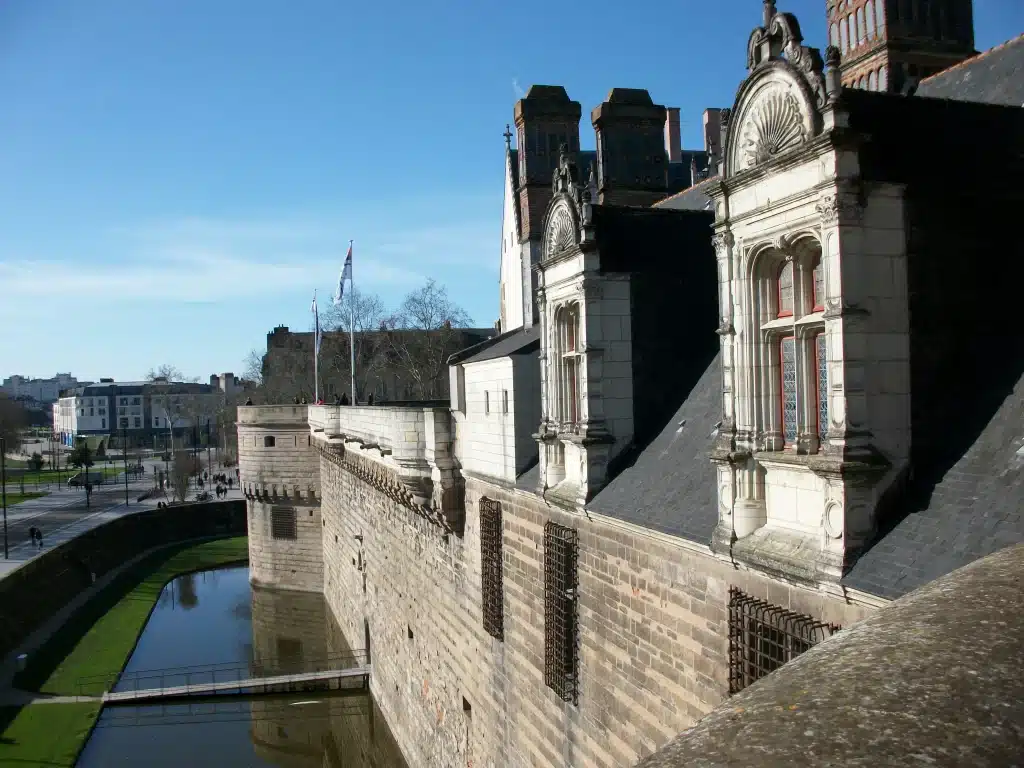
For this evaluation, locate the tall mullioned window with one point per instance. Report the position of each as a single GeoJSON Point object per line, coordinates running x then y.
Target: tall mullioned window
{"type": "Point", "coordinates": [569, 362]}
{"type": "Point", "coordinates": [491, 568]}
{"type": "Point", "coordinates": [561, 620]}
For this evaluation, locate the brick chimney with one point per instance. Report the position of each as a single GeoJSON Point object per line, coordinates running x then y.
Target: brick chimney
{"type": "Point", "coordinates": [545, 119]}
{"type": "Point", "coordinates": [673, 141]}
{"type": "Point", "coordinates": [631, 158]}
{"type": "Point", "coordinates": [713, 138]}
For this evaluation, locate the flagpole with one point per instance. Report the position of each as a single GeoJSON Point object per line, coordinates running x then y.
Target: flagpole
{"type": "Point", "coordinates": [316, 353]}
{"type": "Point", "coordinates": [352, 326]}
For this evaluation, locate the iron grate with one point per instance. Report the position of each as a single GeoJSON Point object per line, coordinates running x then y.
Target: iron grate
{"type": "Point", "coordinates": [561, 622]}
{"type": "Point", "coordinates": [763, 637]}
{"type": "Point", "coordinates": [283, 523]}
{"type": "Point", "coordinates": [492, 595]}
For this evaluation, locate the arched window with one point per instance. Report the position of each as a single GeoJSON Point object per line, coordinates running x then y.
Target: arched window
{"type": "Point", "coordinates": [786, 290]}
{"type": "Point", "coordinates": [269, 441]}
{"type": "Point", "coordinates": [844, 34]}
{"type": "Point", "coordinates": [872, 81]}
{"type": "Point", "coordinates": [883, 84]}
{"type": "Point", "coordinates": [833, 34]}
{"type": "Point", "coordinates": [861, 31]}
{"type": "Point", "coordinates": [569, 363]}
{"type": "Point", "coordinates": [869, 17]}
{"type": "Point", "coordinates": [880, 17]}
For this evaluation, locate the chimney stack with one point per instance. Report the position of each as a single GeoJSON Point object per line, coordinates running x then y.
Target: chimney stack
{"type": "Point", "coordinates": [673, 144]}
{"type": "Point", "coordinates": [631, 161]}
{"type": "Point", "coordinates": [713, 139]}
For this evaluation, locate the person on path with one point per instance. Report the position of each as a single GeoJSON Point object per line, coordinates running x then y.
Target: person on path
{"type": "Point", "coordinates": [32, 535]}
{"type": "Point", "coordinates": [231, 482]}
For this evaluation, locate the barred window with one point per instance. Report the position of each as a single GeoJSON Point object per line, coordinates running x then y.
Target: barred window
{"type": "Point", "coordinates": [282, 523]}
{"type": "Point", "coordinates": [561, 622]}
{"type": "Point", "coordinates": [763, 637]}
{"type": "Point", "coordinates": [491, 568]}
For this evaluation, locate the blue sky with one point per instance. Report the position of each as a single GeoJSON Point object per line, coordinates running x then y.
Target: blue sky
{"type": "Point", "coordinates": [177, 177]}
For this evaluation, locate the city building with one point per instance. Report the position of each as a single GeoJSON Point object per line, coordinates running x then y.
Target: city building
{"type": "Point", "coordinates": [39, 391]}
{"type": "Point", "coordinates": [227, 383]}
{"type": "Point", "coordinates": [626, 513]}
{"type": "Point", "coordinates": [148, 414]}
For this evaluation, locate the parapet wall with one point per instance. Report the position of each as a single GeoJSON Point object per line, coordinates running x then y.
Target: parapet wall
{"type": "Point", "coordinates": [279, 471]}
{"type": "Point", "coordinates": [934, 678]}
{"type": "Point", "coordinates": [33, 592]}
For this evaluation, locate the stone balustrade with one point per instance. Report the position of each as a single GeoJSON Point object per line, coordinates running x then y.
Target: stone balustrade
{"type": "Point", "coordinates": [413, 443]}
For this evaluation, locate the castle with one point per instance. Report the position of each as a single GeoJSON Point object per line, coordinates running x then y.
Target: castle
{"type": "Point", "coordinates": [628, 513]}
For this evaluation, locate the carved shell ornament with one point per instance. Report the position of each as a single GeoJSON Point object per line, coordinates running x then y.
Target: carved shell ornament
{"type": "Point", "coordinates": [774, 125]}
{"type": "Point", "coordinates": [561, 232]}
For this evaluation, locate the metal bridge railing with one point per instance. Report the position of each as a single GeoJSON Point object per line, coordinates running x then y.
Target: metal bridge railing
{"type": "Point", "coordinates": [225, 672]}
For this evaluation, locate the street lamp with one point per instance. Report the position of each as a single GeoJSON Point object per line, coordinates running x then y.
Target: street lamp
{"type": "Point", "coordinates": [124, 455]}
{"type": "Point", "coordinates": [3, 484]}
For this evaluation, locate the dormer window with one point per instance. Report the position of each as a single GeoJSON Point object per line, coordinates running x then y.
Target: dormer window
{"type": "Point", "coordinates": [569, 359]}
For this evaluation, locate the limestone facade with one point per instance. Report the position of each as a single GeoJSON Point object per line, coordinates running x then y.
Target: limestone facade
{"type": "Point", "coordinates": [279, 472]}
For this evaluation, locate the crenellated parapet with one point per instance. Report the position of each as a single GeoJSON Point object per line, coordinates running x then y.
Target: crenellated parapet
{"type": "Point", "coordinates": [403, 452]}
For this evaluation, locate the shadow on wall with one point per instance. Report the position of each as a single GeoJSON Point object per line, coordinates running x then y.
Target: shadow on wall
{"type": "Point", "coordinates": [933, 678]}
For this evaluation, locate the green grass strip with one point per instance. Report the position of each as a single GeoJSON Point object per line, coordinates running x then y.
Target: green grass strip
{"type": "Point", "coordinates": [17, 498]}
{"type": "Point", "coordinates": [96, 641]}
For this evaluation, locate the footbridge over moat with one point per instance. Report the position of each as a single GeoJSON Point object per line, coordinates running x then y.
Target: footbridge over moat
{"type": "Point", "coordinates": [341, 672]}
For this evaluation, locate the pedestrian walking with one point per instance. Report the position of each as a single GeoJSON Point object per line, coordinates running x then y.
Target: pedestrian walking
{"type": "Point", "coordinates": [32, 535]}
{"type": "Point", "coordinates": [39, 537]}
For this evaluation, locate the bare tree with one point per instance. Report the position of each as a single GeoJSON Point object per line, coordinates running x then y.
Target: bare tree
{"type": "Point", "coordinates": [13, 419]}
{"type": "Point", "coordinates": [371, 348]}
{"type": "Point", "coordinates": [425, 333]}
{"type": "Point", "coordinates": [254, 367]}
{"type": "Point", "coordinates": [167, 372]}
{"type": "Point", "coordinates": [181, 472]}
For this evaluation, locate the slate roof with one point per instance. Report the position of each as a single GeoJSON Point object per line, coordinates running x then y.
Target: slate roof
{"type": "Point", "coordinates": [671, 486]}
{"type": "Point", "coordinates": [995, 76]}
{"type": "Point", "coordinates": [975, 509]}
{"type": "Point", "coordinates": [691, 199]}
{"type": "Point", "coordinates": [520, 341]}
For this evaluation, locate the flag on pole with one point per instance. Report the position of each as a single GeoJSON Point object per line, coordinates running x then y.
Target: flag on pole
{"type": "Point", "coordinates": [346, 274]}
{"type": "Point", "coordinates": [317, 335]}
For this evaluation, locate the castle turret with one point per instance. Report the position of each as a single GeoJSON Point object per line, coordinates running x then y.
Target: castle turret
{"type": "Point", "coordinates": [279, 472]}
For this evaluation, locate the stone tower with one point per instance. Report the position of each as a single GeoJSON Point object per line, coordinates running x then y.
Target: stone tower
{"type": "Point", "coordinates": [632, 162]}
{"type": "Point", "coordinates": [886, 43]}
{"type": "Point", "coordinates": [279, 474]}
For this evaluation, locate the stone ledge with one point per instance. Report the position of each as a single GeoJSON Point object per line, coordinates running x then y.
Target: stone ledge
{"type": "Point", "coordinates": [931, 679]}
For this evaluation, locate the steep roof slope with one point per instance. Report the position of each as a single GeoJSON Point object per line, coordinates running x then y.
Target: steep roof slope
{"type": "Point", "coordinates": [995, 76]}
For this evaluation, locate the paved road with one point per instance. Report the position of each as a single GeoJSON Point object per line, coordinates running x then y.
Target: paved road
{"type": "Point", "coordinates": [62, 515]}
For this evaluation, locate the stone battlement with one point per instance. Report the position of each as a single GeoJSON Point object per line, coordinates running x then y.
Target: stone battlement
{"type": "Point", "coordinates": [266, 415]}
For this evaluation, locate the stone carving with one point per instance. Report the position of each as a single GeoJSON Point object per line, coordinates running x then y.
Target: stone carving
{"type": "Point", "coordinates": [833, 208]}
{"type": "Point", "coordinates": [781, 38]}
{"type": "Point", "coordinates": [561, 232]}
{"type": "Point", "coordinates": [388, 482]}
{"type": "Point", "coordinates": [722, 242]}
{"type": "Point", "coordinates": [773, 126]}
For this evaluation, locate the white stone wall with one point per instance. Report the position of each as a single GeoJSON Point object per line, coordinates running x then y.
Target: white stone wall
{"type": "Point", "coordinates": [488, 434]}
{"type": "Point", "coordinates": [511, 262]}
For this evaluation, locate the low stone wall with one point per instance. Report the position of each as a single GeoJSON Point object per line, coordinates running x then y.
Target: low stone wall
{"type": "Point", "coordinates": [30, 594]}
{"type": "Point", "coordinates": [935, 679]}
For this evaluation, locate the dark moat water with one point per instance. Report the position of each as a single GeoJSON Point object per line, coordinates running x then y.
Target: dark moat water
{"type": "Point", "coordinates": [217, 617]}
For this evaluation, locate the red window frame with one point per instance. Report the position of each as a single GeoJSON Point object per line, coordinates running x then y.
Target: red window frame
{"type": "Point", "coordinates": [782, 393]}
{"type": "Point", "coordinates": [816, 299]}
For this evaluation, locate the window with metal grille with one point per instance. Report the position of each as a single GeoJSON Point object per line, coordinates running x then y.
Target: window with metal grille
{"type": "Point", "coordinates": [282, 523]}
{"type": "Point", "coordinates": [763, 637]}
{"type": "Point", "coordinates": [561, 623]}
{"type": "Point", "coordinates": [492, 595]}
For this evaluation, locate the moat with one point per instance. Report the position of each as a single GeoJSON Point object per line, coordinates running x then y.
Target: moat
{"type": "Point", "coordinates": [217, 617]}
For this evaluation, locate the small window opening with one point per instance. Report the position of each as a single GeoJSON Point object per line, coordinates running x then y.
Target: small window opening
{"type": "Point", "coordinates": [467, 708]}
{"type": "Point", "coordinates": [487, 402]}
{"type": "Point", "coordinates": [408, 629]}
{"type": "Point", "coordinates": [269, 441]}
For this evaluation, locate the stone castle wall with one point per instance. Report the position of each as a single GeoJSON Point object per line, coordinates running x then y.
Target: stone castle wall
{"type": "Point", "coordinates": [653, 629]}
{"type": "Point", "coordinates": [279, 469]}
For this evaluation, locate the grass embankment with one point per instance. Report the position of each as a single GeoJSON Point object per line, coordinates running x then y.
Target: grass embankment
{"type": "Point", "coordinates": [16, 497]}
{"type": "Point", "coordinates": [96, 641]}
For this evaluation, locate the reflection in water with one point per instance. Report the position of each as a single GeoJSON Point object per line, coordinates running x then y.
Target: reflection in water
{"type": "Point", "coordinates": [265, 632]}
